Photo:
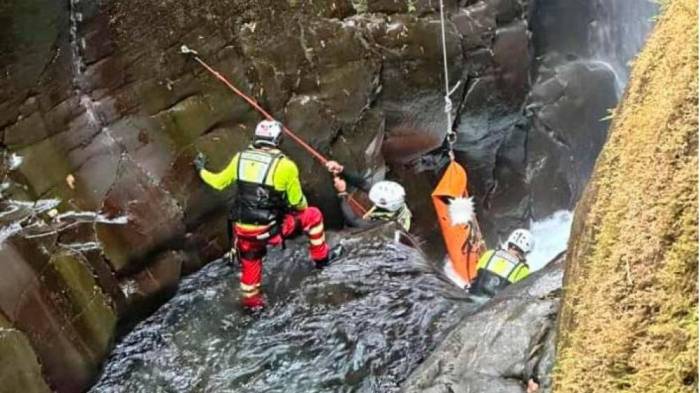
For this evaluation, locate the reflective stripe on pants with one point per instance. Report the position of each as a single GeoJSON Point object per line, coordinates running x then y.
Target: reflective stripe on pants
{"type": "Point", "coordinates": [252, 250]}
{"type": "Point", "coordinates": [310, 220]}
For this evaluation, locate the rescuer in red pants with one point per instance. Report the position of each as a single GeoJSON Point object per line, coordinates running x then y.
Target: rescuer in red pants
{"type": "Point", "coordinates": [270, 207]}
{"type": "Point", "coordinates": [251, 249]}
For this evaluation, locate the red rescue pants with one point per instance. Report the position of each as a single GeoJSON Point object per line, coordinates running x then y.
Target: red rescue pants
{"type": "Point", "coordinates": [251, 249]}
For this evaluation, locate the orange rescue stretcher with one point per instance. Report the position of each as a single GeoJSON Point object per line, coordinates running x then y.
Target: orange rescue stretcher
{"type": "Point", "coordinates": [464, 243]}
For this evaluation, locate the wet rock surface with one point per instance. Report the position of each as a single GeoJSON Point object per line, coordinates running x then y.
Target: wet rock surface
{"type": "Point", "coordinates": [360, 325]}
{"type": "Point", "coordinates": [533, 156]}
{"type": "Point", "coordinates": [19, 366]}
{"type": "Point", "coordinates": [608, 31]}
{"type": "Point", "coordinates": [106, 115]}
{"type": "Point", "coordinates": [497, 348]}
{"type": "Point", "coordinates": [584, 52]}
{"type": "Point", "coordinates": [569, 108]}
{"type": "Point", "coordinates": [56, 296]}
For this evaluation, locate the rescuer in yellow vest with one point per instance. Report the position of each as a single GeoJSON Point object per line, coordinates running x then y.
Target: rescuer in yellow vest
{"type": "Point", "coordinates": [270, 206]}
{"type": "Point", "coordinates": [388, 199]}
{"type": "Point", "coordinates": [499, 268]}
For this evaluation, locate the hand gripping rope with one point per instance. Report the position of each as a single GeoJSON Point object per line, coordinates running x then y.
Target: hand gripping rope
{"type": "Point", "coordinates": [323, 160]}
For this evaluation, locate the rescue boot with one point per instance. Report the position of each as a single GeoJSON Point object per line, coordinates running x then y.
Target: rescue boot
{"type": "Point", "coordinates": [253, 304]}
{"type": "Point", "coordinates": [334, 253]}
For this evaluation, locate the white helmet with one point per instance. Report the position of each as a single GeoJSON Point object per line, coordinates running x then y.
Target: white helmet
{"type": "Point", "coordinates": [522, 239]}
{"type": "Point", "coordinates": [388, 195]}
{"type": "Point", "coordinates": [268, 132]}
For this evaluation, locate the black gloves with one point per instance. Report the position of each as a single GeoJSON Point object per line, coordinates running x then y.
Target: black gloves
{"type": "Point", "coordinates": [200, 161]}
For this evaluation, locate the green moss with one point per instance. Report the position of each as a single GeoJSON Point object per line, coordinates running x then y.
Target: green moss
{"type": "Point", "coordinates": [45, 165]}
{"type": "Point", "coordinates": [411, 6]}
{"type": "Point", "coordinates": [359, 5]}
{"type": "Point", "coordinates": [19, 368]}
{"type": "Point", "coordinates": [629, 317]}
{"type": "Point", "coordinates": [196, 115]}
{"type": "Point", "coordinates": [92, 315]}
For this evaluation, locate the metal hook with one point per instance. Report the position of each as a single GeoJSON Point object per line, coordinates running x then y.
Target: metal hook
{"type": "Point", "coordinates": [185, 50]}
{"type": "Point", "coordinates": [451, 137]}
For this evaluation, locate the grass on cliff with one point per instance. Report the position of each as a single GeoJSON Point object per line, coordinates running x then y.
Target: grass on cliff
{"type": "Point", "coordinates": [629, 321]}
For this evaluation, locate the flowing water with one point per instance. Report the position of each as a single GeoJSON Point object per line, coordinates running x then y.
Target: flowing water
{"type": "Point", "coordinates": [618, 31]}
{"type": "Point", "coordinates": [551, 237]}
{"type": "Point", "coordinates": [361, 325]}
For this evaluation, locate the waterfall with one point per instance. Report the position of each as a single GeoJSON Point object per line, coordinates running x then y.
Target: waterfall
{"type": "Point", "coordinates": [551, 236]}
{"type": "Point", "coordinates": [78, 46]}
{"type": "Point", "coordinates": [618, 32]}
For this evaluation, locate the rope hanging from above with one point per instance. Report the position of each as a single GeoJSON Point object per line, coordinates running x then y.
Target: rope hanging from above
{"type": "Point", "coordinates": [451, 135]}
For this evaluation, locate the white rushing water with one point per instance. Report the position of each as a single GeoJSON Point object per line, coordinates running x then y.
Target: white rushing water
{"type": "Point", "coordinates": [14, 161]}
{"type": "Point", "coordinates": [551, 237]}
{"type": "Point", "coordinates": [618, 32]}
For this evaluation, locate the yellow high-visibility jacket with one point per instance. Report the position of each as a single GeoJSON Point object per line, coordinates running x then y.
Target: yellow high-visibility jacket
{"type": "Point", "coordinates": [263, 166]}
{"type": "Point", "coordinates": [402, 216]}
{"type": "Point", "coordinates": [503, 264]}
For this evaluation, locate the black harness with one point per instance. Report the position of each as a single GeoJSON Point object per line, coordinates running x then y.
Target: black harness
{"type": "Point", "coordinates": [259, 203]}
{"type": "Point", "coordinates": [488, 283]}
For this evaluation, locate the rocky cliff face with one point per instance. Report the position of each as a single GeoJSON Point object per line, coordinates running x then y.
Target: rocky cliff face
{"type": "Point", "coordinates": [583, 50]}
{"type": "Point", "coordinates": [100, 112]}
{"type": "Point", "coordinates": [629, 316]}
{"type": "Point", "coordinates": [532, 155]}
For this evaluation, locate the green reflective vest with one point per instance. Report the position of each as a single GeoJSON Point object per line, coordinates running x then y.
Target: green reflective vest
{"type": "Point", "coordinates": [503, 264]}
{"type": "Point", "coordinates": [402, 216]}
{"type": "Point", "coordinates": [261, 166]}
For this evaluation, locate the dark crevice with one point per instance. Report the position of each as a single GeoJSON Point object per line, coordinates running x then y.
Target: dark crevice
{"type": "Point", "coordinates": [462, 99]}
{"type": "Point", "coordinates": [176, 103]}
{"type": "Point", "coordinates": [217, 125]}
{"type": "Point", "coordinates": [554, 136]}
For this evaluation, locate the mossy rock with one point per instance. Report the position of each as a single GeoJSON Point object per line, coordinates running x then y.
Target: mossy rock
{"type": "Point", "coordinates": [92, 314]}
{"type": "Point", "coordinates": [629, 321]}
{"type": "Point", "coordinates": [20, 370]}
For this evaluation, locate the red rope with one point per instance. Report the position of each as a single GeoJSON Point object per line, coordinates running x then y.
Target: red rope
{"type": "Point", "coordinates": [357, 205]}
{"type": "Point", "coordinates": [323, 160]}
{"type": "Point", "coordinates": [255, 105]}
